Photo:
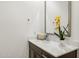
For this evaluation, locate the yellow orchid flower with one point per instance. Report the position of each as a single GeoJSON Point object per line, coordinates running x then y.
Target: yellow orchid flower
{"type": "Point", "coordinates": [57, 21]}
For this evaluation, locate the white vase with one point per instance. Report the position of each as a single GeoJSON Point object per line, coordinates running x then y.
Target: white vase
{"type": "Point", "coordinates": [61, 43]}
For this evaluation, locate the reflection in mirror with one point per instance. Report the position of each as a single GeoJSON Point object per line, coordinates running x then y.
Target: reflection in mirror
{"type": "Point", "coordinates": [57, 8]}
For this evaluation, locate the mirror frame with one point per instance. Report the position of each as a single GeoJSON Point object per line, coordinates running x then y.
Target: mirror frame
{"type": "Point", "coordinates": [69, 17]}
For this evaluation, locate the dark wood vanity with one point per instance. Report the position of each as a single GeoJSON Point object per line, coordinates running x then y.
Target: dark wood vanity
{"type": "Point", "coordinates": [37, 52]}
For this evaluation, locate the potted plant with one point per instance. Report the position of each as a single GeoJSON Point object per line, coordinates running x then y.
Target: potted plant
{"type": "Point", "coordinates": [60, 33]}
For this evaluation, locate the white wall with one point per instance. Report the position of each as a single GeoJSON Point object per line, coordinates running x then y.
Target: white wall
{"type": "Point", "coordinates": [14, 27]}
{"type": "Point", "coordinates": [75, 21]}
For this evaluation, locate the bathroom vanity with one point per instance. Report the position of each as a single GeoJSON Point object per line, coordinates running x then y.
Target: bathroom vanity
{"type": "Point", "coordinates": [51, 49]}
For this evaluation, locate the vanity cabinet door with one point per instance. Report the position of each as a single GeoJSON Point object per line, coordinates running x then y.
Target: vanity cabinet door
{"type": "Point", "coordinates": [34, 51]}
{"type": "Point", "coordinates": [34, 54]}
{"type": "Point", "coordinates": [72, 54]}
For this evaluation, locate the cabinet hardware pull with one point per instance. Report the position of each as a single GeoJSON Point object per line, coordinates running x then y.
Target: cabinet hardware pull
{"type": "Point", "coordinates": [44, 56]}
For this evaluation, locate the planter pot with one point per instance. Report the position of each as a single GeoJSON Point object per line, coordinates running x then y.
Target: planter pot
{"type": "Point", "coordinates": [62, 43]}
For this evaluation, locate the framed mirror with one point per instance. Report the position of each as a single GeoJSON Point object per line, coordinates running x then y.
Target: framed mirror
{"type": "Point", "coordinates": [57, 8]}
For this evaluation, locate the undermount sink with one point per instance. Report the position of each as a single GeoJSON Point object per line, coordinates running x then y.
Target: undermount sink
{"type": "Point", "coordinates": [67, 41]}
{"type": "Point", "coordinates": [73, 42]}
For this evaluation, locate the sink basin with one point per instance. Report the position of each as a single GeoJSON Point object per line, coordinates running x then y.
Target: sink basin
{"type": "Point", "coordinates": [67, 41]}
{"type": "Point", "coordinates": [73, 42]}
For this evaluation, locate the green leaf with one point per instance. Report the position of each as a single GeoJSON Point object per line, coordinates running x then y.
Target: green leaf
{"type": "Point", "coordinates": [66, 30]}
{"type": "Point", "coordinates": [57, 34]}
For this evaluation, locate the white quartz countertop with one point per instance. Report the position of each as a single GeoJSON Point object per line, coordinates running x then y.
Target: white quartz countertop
{"type": "Point", "coordinates": [54, 48]}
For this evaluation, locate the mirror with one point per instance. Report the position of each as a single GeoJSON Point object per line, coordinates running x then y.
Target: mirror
{"type": "Point", "coordinates": [57, 8]}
